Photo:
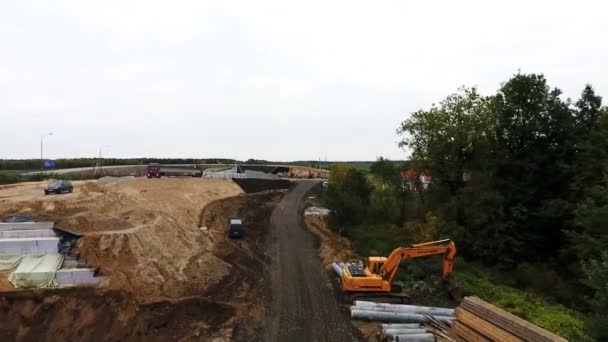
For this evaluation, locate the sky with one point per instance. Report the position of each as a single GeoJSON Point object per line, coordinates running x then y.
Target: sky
{"type": "Point", "coordinates": [276, 80]}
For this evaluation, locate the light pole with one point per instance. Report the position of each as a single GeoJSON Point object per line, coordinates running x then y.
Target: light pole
{"type": "Point", "coordinates": [42, 151]}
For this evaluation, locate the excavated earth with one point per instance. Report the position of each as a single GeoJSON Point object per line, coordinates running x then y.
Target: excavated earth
{"type": "Point", "coordinates": [171, 273]}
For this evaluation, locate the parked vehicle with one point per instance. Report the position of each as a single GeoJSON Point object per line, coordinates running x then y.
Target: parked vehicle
{"type": "Point", "coordinates": [236, 229]}
{"type": "Point", "coordinates": [58, 187]}
{"type": "Point", "coordinates": [153, 170]}
{"type": "Point", "coordinates": [19, 218]}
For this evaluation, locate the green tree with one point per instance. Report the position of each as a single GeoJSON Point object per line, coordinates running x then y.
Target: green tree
{"type": "Point", "coordinates": [384, 207]}
{"type": "Point", "coordinates": [347, 195]}
{"type": "Point", "coordinates": [534, 130]}
{"type": "Point", "coordinates": [589, 235]}
{"type": "Point", "coordinates": [386, 173]}
{"type": "Point", "coordinates": [337, 174]}
{"type": "Point", "coordinates": [588, 109]}
{"type": "Point", "coordinates": [451, 138]}
{"type": "Point", "coordinates": [597, 277]}
{"type": "Point", "coordinates": [591, 220]}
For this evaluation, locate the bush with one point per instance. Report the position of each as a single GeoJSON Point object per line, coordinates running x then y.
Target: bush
{"type": "Point", "coordinates": [418, 231]}
{"type": "Point", "coordinates": [529, 306]}
{"type": "Point", "coordinates": [383, 206]}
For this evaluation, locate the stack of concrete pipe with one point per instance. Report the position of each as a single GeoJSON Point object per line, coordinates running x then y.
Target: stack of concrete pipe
{"type": "Point", "coordinates": [399, 313]}
{"type": "Point", "coordinates": [408, 332]}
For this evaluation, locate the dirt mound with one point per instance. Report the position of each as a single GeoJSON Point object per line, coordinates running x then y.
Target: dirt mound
{"type": "Point", "coordinates": [307, 172]}
{"type": "Point", "coordinates": [334, 248]}
{"type": "Point", "coordinates": [143, 234]}
{"type": "Point", "coordinates": [86, 314]}
{"type": "Point", "coordinates": [167, 279]}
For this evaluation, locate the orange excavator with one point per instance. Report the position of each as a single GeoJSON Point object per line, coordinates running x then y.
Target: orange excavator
{"type": "Point", "coordinates": [375, 280]}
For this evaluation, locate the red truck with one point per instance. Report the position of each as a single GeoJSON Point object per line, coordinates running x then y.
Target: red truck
{"type": "Point", "coordinates": [153, 170]}
{"type": "Point", "coordinates": [156, 171]}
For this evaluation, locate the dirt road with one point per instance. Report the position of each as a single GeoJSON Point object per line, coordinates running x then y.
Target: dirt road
{"type": "Point", "coordinates": [303, 307]}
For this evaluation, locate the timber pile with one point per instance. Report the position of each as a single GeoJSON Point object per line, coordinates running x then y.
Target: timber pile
{"type": "Point", "coordinates": [479, 321]}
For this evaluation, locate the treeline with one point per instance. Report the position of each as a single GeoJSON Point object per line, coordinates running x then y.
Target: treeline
{"type": "Point", "coordinates": [519, 179]}
{"type": "Point", "coordinates": [34, 164]}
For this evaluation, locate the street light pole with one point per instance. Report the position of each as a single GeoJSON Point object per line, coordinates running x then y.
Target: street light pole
{"type": "Point", "coordinates": [42, 151]}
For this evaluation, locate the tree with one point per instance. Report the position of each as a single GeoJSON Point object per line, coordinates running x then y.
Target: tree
{"type": "Point", "coordinates": [347, 195]}
{"type": "Point", "coordinates": [386, 173]}
{"type": "Point", "coordinates": [588, 109]}
{"type": "Point", "coordinates": [337, 174]}
{"type": "Point", "coordinates": [589, 235]}
{"type": "Point", "coordinates": [534, 132]}
{"type": "Point", "coordinates": [384, 207]}
{"type": "Point", "coordinates": [597, 277]}
{"type": "Point", "coordinates": [451, 138]}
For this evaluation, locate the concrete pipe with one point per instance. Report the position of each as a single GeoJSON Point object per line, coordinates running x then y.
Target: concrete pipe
{"type": "Point", "coordinates": [415, 338]}
{"type": "Point", "coordinates": [428, 310]}
{"type": "Point", "coordinates": [395, 332]}
{"type": "Point", "coordinates": [401, 326]}
{"type": "Point", "coordinates": [394, 317]}
{"type": "Point", "coordinates": [337, 269]}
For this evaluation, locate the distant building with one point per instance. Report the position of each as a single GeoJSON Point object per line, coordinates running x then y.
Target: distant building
{"type": "Point", "coordinates": [412, 178]}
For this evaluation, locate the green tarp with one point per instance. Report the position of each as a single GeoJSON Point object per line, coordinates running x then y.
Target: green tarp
{"type": "Point", "coordinates": [9, 261]}
{"type": "Point", "coordinates": [35, 270]}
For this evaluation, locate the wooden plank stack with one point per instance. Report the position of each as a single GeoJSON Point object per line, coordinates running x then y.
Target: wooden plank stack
{"type": "Point", "coordinates": [479, 321]}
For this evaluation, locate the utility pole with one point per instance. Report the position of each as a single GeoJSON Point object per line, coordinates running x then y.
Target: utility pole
{"type": "Point", "coordinates": [99, 163]}
{"type": "Point", "coordinates": [42, 151]}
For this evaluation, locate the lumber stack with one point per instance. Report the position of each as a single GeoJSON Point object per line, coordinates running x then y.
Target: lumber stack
{"type": "Point", "coordinates": [479, 321]}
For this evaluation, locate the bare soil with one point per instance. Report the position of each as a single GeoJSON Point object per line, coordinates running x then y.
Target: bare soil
{"type": "Point", "coordinates": [307, 172]}
{"type": "Point", "coordinates": [333, 247]}
{"type": "Point", "coordinates": [173, 275]}
{"type": "Point", "coordinates": [167, 279]}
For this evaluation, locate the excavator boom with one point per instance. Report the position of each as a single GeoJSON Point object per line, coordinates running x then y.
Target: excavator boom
{"type": "Point", "coordinates": [391, 265]}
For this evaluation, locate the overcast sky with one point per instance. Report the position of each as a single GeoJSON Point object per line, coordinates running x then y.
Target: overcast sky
{"type": "Point", "coordinates": [277, 80]}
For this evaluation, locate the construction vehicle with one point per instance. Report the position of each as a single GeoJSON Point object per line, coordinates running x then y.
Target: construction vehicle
{"type": "Point", "coordinates": [155, 170]}
{"type": "Point", "coordinates": [376, 279]}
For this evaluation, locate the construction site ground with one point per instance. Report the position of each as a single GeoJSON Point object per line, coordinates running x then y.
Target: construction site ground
{"type": "Point", "coordinates": [171, 272]}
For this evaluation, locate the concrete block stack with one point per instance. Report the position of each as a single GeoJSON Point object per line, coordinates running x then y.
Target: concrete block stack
{"type": "Point", "coordinates": [40, 238]}
{"type": "Point", "coordinates": [28, 238]}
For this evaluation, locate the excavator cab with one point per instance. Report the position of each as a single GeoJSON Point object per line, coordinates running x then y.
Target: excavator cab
{"type": "Point", "coordinates": [375, 264]}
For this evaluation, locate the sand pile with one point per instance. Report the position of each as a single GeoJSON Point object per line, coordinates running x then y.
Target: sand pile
{"type": "Point", "coordinates": [307, 172]}
{"type": "Point", "coordinates": [143, 233]}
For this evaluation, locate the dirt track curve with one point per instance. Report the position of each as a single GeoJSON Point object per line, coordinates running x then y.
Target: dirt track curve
{"type": "Point", "coordinates": [304, 307]}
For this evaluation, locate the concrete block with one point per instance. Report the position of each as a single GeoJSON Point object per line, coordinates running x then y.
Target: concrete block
{"type": "Point", "coordinates": [29, 245]}
{"type": "Point", "coordinates": [70, 263]}
{"type": "Point", "coordinates": [26, 225]}
{"type": "Point", "coordinates": [77, 276]}
{"type": "Point", "coordinates": [30, 233]}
